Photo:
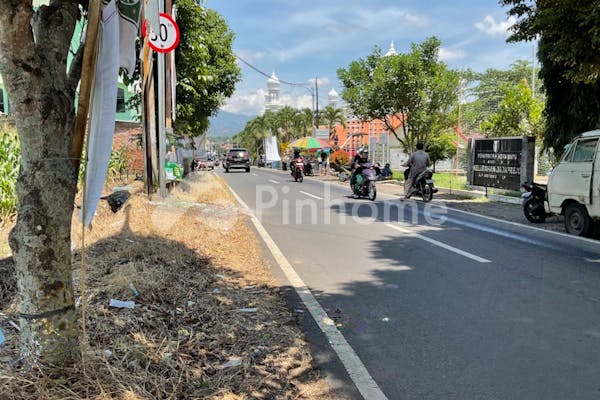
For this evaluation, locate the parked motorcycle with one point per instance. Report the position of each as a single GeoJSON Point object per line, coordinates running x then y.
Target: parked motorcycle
{"type": "Point", "coordinates": [298, 170]}
{"type": "Point", "coordinates": [364, 181]}
{"type": "Point", "coordinates": [423, 186]}
{"type": "Point", "coordinates": [534, 202]}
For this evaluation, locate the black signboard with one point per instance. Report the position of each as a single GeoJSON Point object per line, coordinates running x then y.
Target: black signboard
{"type": "Point", "coordinates": [502, 162]}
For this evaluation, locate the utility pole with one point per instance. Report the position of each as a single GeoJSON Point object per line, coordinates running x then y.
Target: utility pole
{"type": "Point", "coordinates": [458, 128]}
{"type": "Point", "coordinates": [317, 102]}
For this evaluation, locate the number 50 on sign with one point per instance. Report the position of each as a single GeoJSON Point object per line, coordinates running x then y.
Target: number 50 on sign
{"type": "Point", "coordinates": [167, 39]}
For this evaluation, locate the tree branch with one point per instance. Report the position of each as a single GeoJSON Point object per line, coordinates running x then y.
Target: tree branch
{"type": "Point", "coordinates": [75, 69]}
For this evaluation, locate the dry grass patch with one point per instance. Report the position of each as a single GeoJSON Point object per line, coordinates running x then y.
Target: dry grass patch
{"type": "Point", "coordinates": [208, 322]}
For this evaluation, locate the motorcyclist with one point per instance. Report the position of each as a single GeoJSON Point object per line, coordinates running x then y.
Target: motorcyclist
{"type": "Point", "coordinates": [363, 157]}
{"type": "Point", "coordinates": [417, 163]}
{"type": "Point", "coordinates": [296, 158]}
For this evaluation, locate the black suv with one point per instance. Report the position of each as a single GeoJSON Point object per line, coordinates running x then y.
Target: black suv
{"type": "Point", "coordinates": [237, 158]}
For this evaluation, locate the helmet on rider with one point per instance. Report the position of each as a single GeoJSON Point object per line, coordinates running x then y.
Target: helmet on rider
{"type": "Point", "coordinates": [296, 153]}
{"type": "Point", "coordinates": [364, 154]}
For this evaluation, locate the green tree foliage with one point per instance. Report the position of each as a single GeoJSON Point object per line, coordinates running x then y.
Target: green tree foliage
{"type": "Point", "coordinates": [518, 113]}
{"type": "Point", "coordinates": [304, 121]}
{"type": "Point", "coordinates": [415, 87]}
{"type": "Point", "coordinates": [485, 91]}
{"type": "Point", "coordinates": [333, 116]}
{"type": "Point", "coordinates": [569, 53]}
{"type": "Point", "coordinates": [571, 108]}
{"type": "Point", "coordinates": [571, 27]}
{"type": "Point", "coordinates": [286, 123]}
{"type": "Point", "coordinates": [206, 67]}
{"type": "Point", "coordinates": [441, 147]}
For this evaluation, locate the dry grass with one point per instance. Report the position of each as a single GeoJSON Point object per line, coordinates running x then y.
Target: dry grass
{"type": "Point", "coordinates": [5, 227]}
{"type": "Point", "coordinates": [195, 267]}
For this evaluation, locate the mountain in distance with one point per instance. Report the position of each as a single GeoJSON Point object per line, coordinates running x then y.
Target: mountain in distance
{"type": "Point", "coordinates": [226, 124]}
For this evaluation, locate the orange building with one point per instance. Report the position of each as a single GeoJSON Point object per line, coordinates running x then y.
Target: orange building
{"type": "Point", "coordinates": [357, 133]}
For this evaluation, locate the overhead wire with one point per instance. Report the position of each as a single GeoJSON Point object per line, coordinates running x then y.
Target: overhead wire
{"type": "Point", "coordinates": [306, 85]}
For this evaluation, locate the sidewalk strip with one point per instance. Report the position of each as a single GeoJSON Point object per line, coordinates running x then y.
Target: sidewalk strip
{"type": "Point", "coordinates": [365, 384]}
{"type": "Point", "coordinates": [440, 244]}
{"type": "Point", "coordinates": [273, 181]}
{"type": "Point", "coordinates": [311, 195]}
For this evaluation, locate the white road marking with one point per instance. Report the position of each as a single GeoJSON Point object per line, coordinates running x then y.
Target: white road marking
{"type": "Point", "coordinates": [254, 174]}
{"type": "Point", "coordinates": [440, 244]}
{"type": "Point", "coordinates": [273, 181]}
{"type": "Point", "coordinates": [357, 371]}
{"type": "Point", "coordinates": [563, 234]}
{"type": "Point", "coordinates": [311, 195]}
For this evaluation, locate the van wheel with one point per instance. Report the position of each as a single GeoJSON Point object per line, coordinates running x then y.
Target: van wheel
{"type": "Point", "coordinates": [577, 220]}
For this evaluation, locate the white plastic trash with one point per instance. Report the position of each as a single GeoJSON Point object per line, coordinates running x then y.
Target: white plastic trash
{"type": "Point", "coordinates": [121, 304]}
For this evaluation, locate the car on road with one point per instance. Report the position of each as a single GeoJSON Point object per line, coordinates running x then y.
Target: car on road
{"type": "Point", "coordinates": [203, 163]}
{"type": "Point", "coordinates": [237, 158]}
{"type": "Point", "coordinates": [573, 188]}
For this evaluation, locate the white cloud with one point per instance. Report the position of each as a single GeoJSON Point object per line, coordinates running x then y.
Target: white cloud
{"type": "Point", "coordinates": [252, 103]}
{"type": "Point", "coordinates": [447, 54]}
{"type": "Point", "coordinates": [302, 101]}
{"type": "Point", "coordinates": [490, 27]}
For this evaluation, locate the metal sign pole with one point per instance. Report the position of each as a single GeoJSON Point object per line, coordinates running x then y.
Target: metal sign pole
{"type": "Point", "coordinates": [162, 136]}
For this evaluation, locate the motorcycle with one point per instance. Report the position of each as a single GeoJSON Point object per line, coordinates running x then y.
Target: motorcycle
{"type": "Point", "coordinates": [423, 186]}
{"type": "Point", "coordinates": [534, 202]}
{"type": "Point", "coordinates": [364, 181]}
{"type": "Point", "coordinates": [297, 170]}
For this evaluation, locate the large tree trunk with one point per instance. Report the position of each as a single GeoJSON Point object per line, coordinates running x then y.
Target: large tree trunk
{"type": "Point", "coordinates": [33, 61]}
{"type": "Point", "coordinates": [41, 246]}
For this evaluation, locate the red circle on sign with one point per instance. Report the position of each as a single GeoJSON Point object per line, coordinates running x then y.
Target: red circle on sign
{"type": "Point", "coordinates": [177, 34]}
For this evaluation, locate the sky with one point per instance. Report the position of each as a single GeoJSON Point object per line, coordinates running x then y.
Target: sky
{"type": "Point", "coordinates": [301, 40]}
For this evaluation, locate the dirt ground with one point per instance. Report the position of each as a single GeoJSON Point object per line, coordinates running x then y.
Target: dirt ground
{"type": "Point", "coordinates": [209, 321]}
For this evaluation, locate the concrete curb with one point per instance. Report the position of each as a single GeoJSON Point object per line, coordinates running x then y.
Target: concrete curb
{"type": "Point", "coordinates": [475, 194]}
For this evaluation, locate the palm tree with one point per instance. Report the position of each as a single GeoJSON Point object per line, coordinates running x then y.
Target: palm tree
{"type": "Point", "coordinates": [304, 122]}
{"type": "Point", "coordinates": [285, 118]}
{"type": "Point", "coordinates": [333, 116]}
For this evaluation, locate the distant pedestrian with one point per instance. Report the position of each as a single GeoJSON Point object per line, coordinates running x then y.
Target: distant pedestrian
{"type": "Point", "coordinates": [324, 163]}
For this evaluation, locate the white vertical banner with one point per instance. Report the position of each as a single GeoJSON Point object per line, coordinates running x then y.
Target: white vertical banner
{"type": "Point", "coordinates": [102, 112]}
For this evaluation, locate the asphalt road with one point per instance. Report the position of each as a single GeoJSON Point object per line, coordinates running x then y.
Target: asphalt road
{"type": "Point", "coordinates": [440, 304]}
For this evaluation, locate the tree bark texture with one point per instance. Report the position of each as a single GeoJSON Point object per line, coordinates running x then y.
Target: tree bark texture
{"type": "Point", "coordinates": [34, 46]}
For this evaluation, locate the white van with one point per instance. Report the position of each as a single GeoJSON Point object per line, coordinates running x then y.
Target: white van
{"type": "Point", "coordinates": [574, 184]}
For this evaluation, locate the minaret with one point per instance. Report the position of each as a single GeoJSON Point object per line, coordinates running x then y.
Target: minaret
{"type": "Point", "coordinates": [391, 51]}
{"type": "Point", "coordinates": [272, 96]}
{"type": "Point", "coordinates": [332, 98]}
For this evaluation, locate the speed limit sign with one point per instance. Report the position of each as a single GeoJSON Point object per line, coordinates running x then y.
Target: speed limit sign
{"type": "Point", "coordinates": [168, 37]}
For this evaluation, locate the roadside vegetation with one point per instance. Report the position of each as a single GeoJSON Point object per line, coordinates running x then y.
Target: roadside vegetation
{"type": "Point", "coordinates": [10, 155]}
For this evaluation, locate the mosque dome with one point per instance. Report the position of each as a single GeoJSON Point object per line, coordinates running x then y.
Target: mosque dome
{"type": "Point", "coordinates": [273, 82]}
{"type": "Point", "coordinates": [332, 96]}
